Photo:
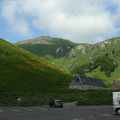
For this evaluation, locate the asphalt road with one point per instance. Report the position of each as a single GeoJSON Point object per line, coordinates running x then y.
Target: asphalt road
{"type": "Point", "coordinates": [67, 113]}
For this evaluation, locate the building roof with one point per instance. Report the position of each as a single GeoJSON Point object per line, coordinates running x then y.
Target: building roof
{"type": "Point", "coordinates": [87, 81]}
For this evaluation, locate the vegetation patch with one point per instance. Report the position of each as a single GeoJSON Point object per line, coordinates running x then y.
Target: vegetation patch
{"type": "Point", "coordinates": [83, 98]}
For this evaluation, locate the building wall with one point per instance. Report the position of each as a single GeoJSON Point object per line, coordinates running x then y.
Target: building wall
{"type": "Point", "coordinates": [85, 87]}
{"type": "Point", "coordinates": [116, 87]}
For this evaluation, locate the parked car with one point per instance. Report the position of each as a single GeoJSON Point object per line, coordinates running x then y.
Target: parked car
{"type": "Point", "coordinates": [56, 104]}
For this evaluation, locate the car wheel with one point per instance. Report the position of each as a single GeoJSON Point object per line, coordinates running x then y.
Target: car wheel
{"type": "Point", "coordinates": [116, 111]}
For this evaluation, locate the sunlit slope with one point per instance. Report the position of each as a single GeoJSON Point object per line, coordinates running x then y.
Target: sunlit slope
{"type": "Point", "coordinates": [61, 52]}
{"type": "Point", "coordinates": [23, 71]}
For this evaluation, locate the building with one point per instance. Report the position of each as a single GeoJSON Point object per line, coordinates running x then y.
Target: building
{"type": "Point", "coordinates": [116, 85]}
{"type": "Point", "coordinates": [85, 83]}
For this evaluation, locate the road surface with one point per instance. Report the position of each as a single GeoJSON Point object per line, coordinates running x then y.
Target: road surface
{"type": "Point", "coordinates": [67, 113]}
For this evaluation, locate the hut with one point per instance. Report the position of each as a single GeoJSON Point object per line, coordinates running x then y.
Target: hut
{"type": "Point", "coordinates": [86, 83]}
{"type": "Point", "coordinates": [116, 85]}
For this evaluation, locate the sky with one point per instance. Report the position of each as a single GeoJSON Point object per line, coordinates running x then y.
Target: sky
{"type": "Point", "coordinates": [81, 21]}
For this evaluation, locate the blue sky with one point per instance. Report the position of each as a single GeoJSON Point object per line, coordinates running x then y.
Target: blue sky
{"type": "Point", "coordinates": [88, 21]}
{"type": "Point", "coordinates": [9, 35]}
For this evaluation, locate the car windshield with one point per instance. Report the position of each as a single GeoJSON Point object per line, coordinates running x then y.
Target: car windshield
{"type": "Point", "coordinates": [58, 101]}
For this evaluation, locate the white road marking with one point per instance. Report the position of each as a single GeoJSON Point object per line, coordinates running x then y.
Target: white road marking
{"type": "Point", "coordinates": [30, 110]}
{"type": "Point", "coordinates": [77, 119]}
{"type": "Point", "coordinates": [42, 109]}
{"type": "Point", "coordinates": [91, 116]}
{"type": "Point", "coordinates": [106, 115]}
{"type": "Point", "coordinates": [15, 110]}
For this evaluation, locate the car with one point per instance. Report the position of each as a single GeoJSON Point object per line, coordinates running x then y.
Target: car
{"type": "Point", "coordinates": [56, 104]}
{"type": "Point", "coordinates": [116, 102]}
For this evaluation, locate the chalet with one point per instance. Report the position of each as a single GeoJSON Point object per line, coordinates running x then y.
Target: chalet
{"type": "Point", "coordinates": [85, 83]}
{"type": "Point", "coordinates": [116, 85]}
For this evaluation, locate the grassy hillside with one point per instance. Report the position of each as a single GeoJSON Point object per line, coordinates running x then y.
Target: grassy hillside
{"type": "Point", "coordinates": [70, 53]}
{"type": "Point", "coordinates": [56, 47]}
{"type": "Point", "coordinates": [99, 60]}
{"type": "Point", "coordinates": [22, 71]}
{"type": "Point", "coordinates": [106, 64]}
{"type": "Point", "coordinates": [67, 63]}
{"type": "Point", "coordinates": [24, 75]}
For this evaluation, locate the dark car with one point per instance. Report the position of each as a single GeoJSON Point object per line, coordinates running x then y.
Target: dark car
{"type": "Point", "coordinates": [56, 104]}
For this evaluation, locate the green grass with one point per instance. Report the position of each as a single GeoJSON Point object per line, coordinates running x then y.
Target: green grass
{"type": "Point", "coordinates": [23, 71]}
{"type": "Point", "coordinates": [103, 97]}
{"type": "Point", "coordinates": [91, 53]}
{"type": "Point", "coordinates": [47, 46]}
{"type": "Point", "coordinates": [83, 98]}
{"type": "Point", "coordinates": [36, 81]}
{"type": "Point", "coordinates": [67, 63]}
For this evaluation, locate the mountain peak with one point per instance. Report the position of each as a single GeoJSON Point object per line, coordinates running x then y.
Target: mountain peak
{"type": "Point", "coordinates": [46, 40]}
{"type": "Point", "coordinates": [43, 37]}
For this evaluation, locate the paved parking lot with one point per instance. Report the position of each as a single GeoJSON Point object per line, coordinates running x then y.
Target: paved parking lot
{"type": "Point", "coordinates": [67, 113]}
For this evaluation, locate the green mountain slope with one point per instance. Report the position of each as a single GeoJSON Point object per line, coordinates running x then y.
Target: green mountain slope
{"type": "Point", "coordinates": [60, 52]}
{"type": "Point", "coordinates": [99, 60]}
{"type": "Point", "coordinates": [56, 47]}
{"type": "Point", "coordinates": [21, 71]}
{"type": "Point", "coordinates": [105, 63]}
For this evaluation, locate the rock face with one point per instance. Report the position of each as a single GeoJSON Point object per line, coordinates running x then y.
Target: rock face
{"type": "Point", "coordinates": [83, 49]}
{"type": "Point", "coordinates": [59, 51]}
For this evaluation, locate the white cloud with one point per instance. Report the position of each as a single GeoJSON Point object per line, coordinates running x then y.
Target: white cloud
{"type": "Point", "coordinates": [15, 23]}
{"type": "Point", "coordinates": [78, 20]}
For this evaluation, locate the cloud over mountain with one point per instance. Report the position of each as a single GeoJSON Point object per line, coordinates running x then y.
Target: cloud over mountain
{"type": "Point", "coordinates": [78, 20]}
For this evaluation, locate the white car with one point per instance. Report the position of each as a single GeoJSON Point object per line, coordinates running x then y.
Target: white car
{"type": "Point", "coordinates": [116, 102]}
